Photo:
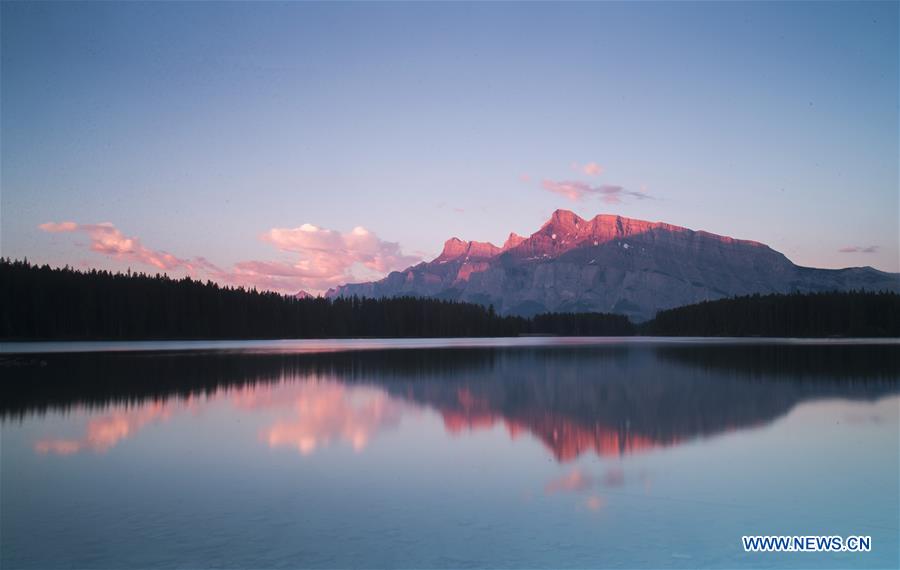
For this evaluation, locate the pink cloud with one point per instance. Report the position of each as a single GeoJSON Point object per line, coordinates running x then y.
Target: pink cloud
{"type": "Point", "coordinates": [575, 191]}
{"type": "Point", "coordinates": [322, 258]}
{"type": "Point", "coordinates": [283, 276]}
{"type": "Point", "coordinates": [333, 255]}
{"type": "Point", "coordinates": [60, 227]}
{"type": "Point", "coordinates": [859, 249]}
{"type": "Point", "coordinates": [108, 240]}
{"type": "Point", "coordinates": [592, 169]}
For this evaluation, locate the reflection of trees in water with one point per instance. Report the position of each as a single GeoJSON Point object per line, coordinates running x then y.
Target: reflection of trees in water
{"type": "Point", "coordinates": [794, 362]}
{"type": "Point", "coordinates": [35, 383]}
{"type": "Point", "coordinates": [606, 400]}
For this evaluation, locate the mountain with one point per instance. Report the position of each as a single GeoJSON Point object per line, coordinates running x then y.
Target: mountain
{"type": "Point", "coordinates": [610, 264]}
{"type": "Point", "coordinates": [301, 294]}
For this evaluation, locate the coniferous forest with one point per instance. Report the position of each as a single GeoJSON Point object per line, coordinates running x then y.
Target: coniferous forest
{"type": "Point", "coordinates": [40, 302]}
{"type": "Point", "coordinates": [849, 314]}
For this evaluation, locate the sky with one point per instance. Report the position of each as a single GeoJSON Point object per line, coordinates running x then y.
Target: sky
{"type": "Point", "coordinates": [302, 145]}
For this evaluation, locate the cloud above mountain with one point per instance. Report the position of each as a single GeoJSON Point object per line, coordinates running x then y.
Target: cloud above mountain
{"type": "Point", "coordinates": [859, 249]}
{"type": "Point", "coordinates": [341, 250]}
{"type": "Point", "coordinates": [319, 258]}
{"type": "Point", "coordinates": [577, 191]}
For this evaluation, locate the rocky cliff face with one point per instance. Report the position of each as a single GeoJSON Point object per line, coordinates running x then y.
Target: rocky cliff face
{"type": "Point", "coordinates": [610, 264]}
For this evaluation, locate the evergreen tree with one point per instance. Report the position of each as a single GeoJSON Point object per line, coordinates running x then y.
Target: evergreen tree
{"type": "Point", "coordinates": [826, 314]}
{"type": "Point", "coordinates": [39, 302]}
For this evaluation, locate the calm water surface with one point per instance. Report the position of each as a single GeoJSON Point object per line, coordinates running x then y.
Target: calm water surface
{"type": "Point", "coordinates": [632, 453]}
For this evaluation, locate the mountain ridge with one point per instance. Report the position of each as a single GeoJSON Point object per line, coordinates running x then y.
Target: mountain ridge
{"type": "Point", "coordinates": [610, 263]}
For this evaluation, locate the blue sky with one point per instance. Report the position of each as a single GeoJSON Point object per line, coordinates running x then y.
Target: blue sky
{"type": "Point", "coordinates": [217, 130]}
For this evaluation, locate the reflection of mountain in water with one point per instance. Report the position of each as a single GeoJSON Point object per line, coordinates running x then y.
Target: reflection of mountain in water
{"type": "Point", "coordinates": [609, 400]}
{"type": "Point", "coordinates": [625, 400]}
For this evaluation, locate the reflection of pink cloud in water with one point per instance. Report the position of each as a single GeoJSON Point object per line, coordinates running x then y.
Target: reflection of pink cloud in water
{"type": "Point", "coordinates": [58, 446]}
{"type": "Point", "coordinates": [320, 413]}
{"type": "Point", "coordinates": [331, 412]}
{"type": "Point", "coordinates": [104, 432]}
{"type": "Point", "coordinates": [262, 397]}
{"type": "Point", "coordinates": [308, 415]}
{"type": "Point", "coordinates": [595, 503]}
{"type": "Point", "coordinates": [577, 480]}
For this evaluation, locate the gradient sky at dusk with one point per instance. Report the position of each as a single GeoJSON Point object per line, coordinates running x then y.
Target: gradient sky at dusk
{"type": "Point", "coordinates": [251, 143]}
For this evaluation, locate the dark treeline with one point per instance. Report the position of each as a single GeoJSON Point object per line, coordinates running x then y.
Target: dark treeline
{"type": "Point", "coordinates": [582, 324]}
{"type": "Point", "coordinates": [851, 314]}
{"type": "Point", "coordinates": [40, 302]}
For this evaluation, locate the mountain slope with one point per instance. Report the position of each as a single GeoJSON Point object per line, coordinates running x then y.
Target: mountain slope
{"type": "Point", "coordinates": [610, 264]}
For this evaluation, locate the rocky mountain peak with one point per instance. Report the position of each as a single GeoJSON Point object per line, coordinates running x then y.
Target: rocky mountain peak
{"type": "Point", "coordinates": [512, 241]}
{"type": "Point", "coordinates": [482, 250]}
{"type": "Point", "coordinates": [563, 222]}
{"type": "Point", "coordinates": [610, 264]}
{"type": "Point", "coordinates": [455, 248]}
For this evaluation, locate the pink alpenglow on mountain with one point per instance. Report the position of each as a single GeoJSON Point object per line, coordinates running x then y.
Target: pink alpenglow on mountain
{"type": "Point", "coordinates": [512, 241]}
{"type": "Point", "coordinates": [455, 248]}
{"type": "Point", "coordinates": [610, 264]}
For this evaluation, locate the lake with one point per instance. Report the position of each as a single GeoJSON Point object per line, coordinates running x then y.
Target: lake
{"type": "Point", "coordinates": [464, 453]}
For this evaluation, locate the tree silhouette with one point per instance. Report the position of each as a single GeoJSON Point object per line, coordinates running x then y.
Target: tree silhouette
{"type": "Point", "coordinates": [40, 302]}
{"type": "Point", "coordinates": [852, 313]}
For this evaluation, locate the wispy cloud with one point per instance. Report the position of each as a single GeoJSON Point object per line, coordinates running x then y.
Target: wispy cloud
{"type": "Point", "coordinates": [322, 258]}
{"type": "Point", "coordinates": [108, 240]}
{"type": "Point", "coordinates": [456, 209]}
{"type": "Point", "coordinates": [859, 249]}
{"type": "Point", "coordinates": [592, 169]}
{"type": "Point", "coordinates": [575, 191]}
